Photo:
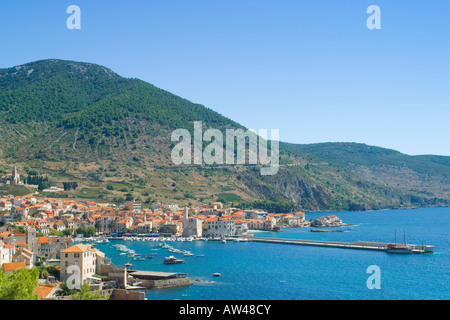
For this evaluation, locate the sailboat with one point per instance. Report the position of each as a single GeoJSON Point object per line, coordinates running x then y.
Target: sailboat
{"type": "Point", "coordinates": [399, 248]}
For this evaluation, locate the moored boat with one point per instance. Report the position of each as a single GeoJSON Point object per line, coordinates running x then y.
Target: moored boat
{"type": "Point", "coordinates": [399, 248]}
{"type": "Point", "coordinates": [172, 260]}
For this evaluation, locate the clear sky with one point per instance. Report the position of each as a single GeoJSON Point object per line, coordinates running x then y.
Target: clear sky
{"type": "Point", "coordinates": [310, 68]}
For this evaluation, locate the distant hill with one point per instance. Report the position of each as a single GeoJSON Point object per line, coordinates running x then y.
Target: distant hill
{"type": "Point", "coordinates": [422, 174]}
{"type": "Point", "coordinates": [75, 121]}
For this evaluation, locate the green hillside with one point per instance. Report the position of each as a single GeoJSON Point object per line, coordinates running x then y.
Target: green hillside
{"type": "Point", "coordinates": [421, 174]}
{"type": "Point", "coordinates": [80, 122]}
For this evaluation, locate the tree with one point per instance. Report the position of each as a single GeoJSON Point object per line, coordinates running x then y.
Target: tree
{"type": "Point", "coordinates": [98, 225]}
{"type": "Point", "coordinates": [19, 284]}
{"type": "Point", "coordinates": [44, 274]}
{"type": "Point", "coordinates": [112, 225]}
{"type": "Point", "coordinates": [67, 232]}
{"type": "Point", "coordinates": [129, 197]}
{"type": "Point", "coordinates": [85, 293]}
{"type": "Point", "coordinates": [91, 231]}
{"type": "Point", "coordinates": [64, 290]}
{"type": "Point", "coordinates": [87, 231]}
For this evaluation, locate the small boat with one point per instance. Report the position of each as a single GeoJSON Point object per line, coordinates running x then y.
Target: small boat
{"type": "Point", "coordinates": [216, 274]}
{"type": "Point", "coordinates": [138, 259]}
{"type": "Point", "coordinates": [223, 241]}
{"type": "Point", "coordinates": [148, 257]}
{"type": "Point", "coordinates": [200, 255]}
{"type": "Point", "coordinates": [187, 253]}
{"type": "Point", "coordinates": [172, 260]}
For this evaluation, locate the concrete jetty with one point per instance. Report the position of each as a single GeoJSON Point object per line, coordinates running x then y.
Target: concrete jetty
{"type": "Point", "coordinates": [363, 245]}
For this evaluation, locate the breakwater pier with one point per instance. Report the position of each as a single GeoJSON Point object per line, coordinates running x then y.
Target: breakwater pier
{"type": "Point", "coordinates": [362, 245]}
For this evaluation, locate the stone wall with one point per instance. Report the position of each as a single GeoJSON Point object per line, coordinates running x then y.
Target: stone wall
{"type": "Point", "coordinates": [121, 294]}
{"type": "Point", "coordinates": [166, 283]}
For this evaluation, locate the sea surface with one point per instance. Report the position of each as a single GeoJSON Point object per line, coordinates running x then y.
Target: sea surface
{"type": "Point", "coordinates": [261, 271]}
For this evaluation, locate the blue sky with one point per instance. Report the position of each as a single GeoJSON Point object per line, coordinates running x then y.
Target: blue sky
{"type": "Point", "coordinates": [311, 69]}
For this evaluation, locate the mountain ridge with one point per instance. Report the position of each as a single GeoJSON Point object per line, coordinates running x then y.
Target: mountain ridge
{"type": "Point", "coordinates": [83, 121]}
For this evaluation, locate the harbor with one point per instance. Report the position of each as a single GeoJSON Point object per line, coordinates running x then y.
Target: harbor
{"type": "Point", "coordinates": [308, 271]}
{"type": "Point", "coordinates": [362, 245]}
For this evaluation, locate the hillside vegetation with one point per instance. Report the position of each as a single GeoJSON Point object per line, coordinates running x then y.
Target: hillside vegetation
{"type": "Point", "coordinates": [79, 122]}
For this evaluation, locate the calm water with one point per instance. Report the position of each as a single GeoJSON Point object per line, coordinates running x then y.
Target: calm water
{"type": "Point", "coordinates": [275, 271]}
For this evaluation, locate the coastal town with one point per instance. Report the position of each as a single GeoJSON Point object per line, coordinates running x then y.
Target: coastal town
{"type": "Point", "coordinates": [49, 233]}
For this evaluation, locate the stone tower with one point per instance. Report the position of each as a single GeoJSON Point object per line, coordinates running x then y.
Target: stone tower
{"type": "Point", "coordinates": [185, 213]}
{"type": "Point", "coordinates": [30, 234]}
{"type": "Point", "coordinates": [15, 177]}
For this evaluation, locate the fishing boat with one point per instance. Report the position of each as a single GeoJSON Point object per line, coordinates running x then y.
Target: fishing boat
{"type": "Point", "coordinates": [172, 260]}
{"type": "Point", "coordinates": [398, 248]}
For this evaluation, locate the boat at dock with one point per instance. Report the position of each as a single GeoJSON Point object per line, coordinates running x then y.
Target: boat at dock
{"type": "Point", "coordinates": [399, 248]}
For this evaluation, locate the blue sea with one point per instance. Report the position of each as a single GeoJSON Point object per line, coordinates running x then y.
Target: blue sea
{"type": "Point", "coordinates": [261, 271]}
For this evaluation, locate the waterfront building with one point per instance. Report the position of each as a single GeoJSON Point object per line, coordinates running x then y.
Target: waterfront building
{"type": "Point", "coordinates": [85, 257]}
{"type": "Point", "coordinates": [241, 227]}
{"type": "Point", "coordinates": [192, 227]}
{"type": "Point", "coordinates": [256, 224]}
{"type": "Point", "coordinates": [269, 223]}
{"type": "Point", "coordinates": [328, 221]}
{"type": "Point", "coordinates": [219, 227]}
{"type": "Point", "coordinates": [255, 214]}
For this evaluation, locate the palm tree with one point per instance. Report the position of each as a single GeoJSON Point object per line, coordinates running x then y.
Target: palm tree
{"type": "Point", "coordinates": [98, 225]}
{"type": "Point", "coordinates": [64, 290]}
{"type": "Point", "coordinates": [112, 225]}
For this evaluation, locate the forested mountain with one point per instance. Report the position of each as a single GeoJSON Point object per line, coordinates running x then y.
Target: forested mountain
{"type": "Point", "coordinates": [82, 122]}
{"type": "Point", "coordinates": [424, 175]}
